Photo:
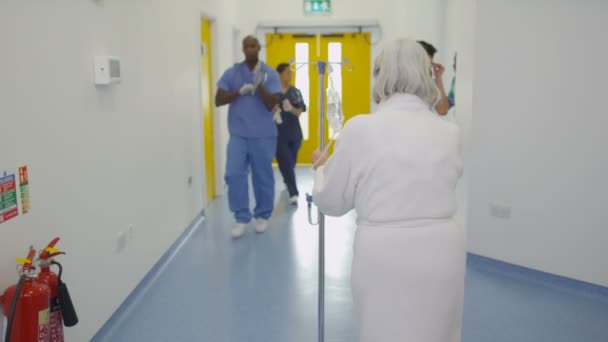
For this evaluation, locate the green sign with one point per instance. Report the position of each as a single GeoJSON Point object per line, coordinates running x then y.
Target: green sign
{"type": "Point", "coordinates": [317, 6]}
{"type": "Point", "coordinates": [8, 193]}
{"type": "Point", "coordinates": [8, 198]}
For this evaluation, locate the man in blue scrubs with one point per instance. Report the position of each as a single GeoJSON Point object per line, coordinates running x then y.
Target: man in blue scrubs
{"type": "Point", "coordinates": [252, 89]}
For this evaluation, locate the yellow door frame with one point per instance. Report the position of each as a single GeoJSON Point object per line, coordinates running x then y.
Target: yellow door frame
{"type": "Point", "coordinates": [207, 107]}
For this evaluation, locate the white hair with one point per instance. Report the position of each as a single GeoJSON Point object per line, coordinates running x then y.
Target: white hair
{"type": "Point", "coordinates": [404, 67]}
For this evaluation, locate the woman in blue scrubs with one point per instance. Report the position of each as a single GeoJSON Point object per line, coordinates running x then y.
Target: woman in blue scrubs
{"type": "Point", "coordinates": [291, 105]}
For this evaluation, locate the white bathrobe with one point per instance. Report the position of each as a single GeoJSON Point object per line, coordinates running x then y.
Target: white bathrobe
{"type": "Point", "coordinates": [398, 169]}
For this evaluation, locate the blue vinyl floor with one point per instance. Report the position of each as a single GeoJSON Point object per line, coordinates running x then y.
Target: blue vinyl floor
{"type": "Point", "coordinates": [263, 288]}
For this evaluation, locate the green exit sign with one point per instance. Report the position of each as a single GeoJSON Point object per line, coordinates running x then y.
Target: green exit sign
{"type": "Point", "coordinates": [317, 6]}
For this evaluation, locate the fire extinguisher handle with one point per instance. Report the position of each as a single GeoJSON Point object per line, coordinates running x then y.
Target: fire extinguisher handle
{"type": "Point", "coordinates": [27, 262]}
{"type": "Point", "coordinates": [50, 250]}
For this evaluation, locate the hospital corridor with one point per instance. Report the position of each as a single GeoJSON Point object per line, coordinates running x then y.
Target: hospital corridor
{"type": "Point", "coordinates": [306, 170]}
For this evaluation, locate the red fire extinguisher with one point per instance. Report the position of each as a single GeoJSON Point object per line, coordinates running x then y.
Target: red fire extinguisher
{"type": "Point", "coordinates": [26, 305]}
{"type": "Point", "coordinates": [50, 278]}
{"type": "Point", "coordinates": [61, 308]}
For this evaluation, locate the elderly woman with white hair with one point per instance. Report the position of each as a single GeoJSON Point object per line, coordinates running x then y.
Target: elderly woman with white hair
{"type": "Point", "coordinates": [398, 169]}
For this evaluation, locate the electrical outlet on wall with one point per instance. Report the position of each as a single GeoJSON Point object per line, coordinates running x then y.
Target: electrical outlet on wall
{"type": "Point", "coordinates": [500, 211]}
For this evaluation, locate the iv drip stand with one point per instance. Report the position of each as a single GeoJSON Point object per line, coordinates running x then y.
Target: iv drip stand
{"type": "Point", "coordinates": [321, 218]}
{"type": "Point", "coordinates": [322, 69]}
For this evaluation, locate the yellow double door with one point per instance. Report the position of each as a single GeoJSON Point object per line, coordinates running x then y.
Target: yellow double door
{"type": "Point", "coordinates": [352, 80]}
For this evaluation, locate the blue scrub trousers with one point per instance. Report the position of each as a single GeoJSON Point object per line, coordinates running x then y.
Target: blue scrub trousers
{"type": "Point", "coordinates": [257, 154]}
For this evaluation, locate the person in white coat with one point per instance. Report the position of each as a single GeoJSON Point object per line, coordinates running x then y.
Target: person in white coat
{"type": "Point", "coordinates": [398, 169]}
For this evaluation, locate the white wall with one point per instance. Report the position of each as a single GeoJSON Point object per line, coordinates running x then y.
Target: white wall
{"type": "Point", "coordinates": [409, 18]}
{"type": "Point", "coordinates": [101, 159]}
{"type": "Point", "coordinates": [539, 136]}
{"type": "Point", "coordinates": [459, 31]}
{"type": "Point", "coordinates": [417, 19]}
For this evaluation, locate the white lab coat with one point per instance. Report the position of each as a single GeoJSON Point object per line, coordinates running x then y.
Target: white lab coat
{"type": "Point", "coordinates": [398, 168]}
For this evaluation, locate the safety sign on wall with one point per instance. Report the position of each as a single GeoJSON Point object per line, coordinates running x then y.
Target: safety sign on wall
{"type": "Point", "coordinates": [14, 200]}
{"type": "Point", "coordinates": [24, 189]}
{"type": "Point", "coordinates": [317, 6]}
{"type": "Point", "coordinates": [8, 198]}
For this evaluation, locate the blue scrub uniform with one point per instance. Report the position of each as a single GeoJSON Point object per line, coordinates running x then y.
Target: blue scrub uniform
{"type": "Point", "coordinates": [290, 139]}
{"type": "Point", "coordinates": [253, 141]}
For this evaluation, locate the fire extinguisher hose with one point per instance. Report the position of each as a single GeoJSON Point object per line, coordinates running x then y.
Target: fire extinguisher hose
{"type": "Point", "coordinates": [68, 312]}
{"type": "Point", "coordinates": [13, 309]}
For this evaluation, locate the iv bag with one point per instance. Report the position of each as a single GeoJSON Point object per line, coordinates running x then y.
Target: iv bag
{"type": "Point", "coordinates": [335, 116]}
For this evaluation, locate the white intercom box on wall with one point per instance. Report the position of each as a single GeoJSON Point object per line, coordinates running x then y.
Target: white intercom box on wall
{"type": "Point", "coordinates": [107, 70]}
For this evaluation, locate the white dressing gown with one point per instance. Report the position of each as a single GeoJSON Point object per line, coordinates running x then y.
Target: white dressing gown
{"type": "Point", "coordinates": [398, 168]}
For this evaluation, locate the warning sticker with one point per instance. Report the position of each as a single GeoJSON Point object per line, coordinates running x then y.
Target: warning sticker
{"type": "Point", "coordinates": [43, 326]}
{"type": "Point", "coordinates": [56, 324]}
{"type": "Point", "coordinates": [8, 198]}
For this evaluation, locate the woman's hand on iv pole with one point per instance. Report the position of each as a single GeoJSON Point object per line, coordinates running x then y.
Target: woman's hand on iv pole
{"type": "Point", "coordinates": [319, 158]}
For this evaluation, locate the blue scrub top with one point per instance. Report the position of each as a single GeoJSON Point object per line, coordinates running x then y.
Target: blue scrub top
{"type": "Point", "coordinates": [248, 117]}
{"type": "Point", "coordinates": [290, 129]}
